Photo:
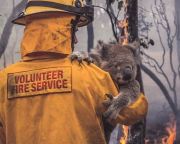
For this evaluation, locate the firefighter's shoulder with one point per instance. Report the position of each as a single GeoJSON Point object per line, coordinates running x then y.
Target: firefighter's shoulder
{"type": "Point", "coordinates": [91, 68]}
{"type": "Point", "coordinates": [10, 68]}
{"type": "Point", "coordinates": [96, 77]}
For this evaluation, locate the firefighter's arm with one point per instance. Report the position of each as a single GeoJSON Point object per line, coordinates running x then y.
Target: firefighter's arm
{"type": "Point", "coordinates": [134, 112]}
{"type": "Point", "coordinates": [131, 113]}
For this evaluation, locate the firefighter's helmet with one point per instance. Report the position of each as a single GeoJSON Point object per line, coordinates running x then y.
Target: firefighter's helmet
{"type": "Point", "coordinates": [75, 7]}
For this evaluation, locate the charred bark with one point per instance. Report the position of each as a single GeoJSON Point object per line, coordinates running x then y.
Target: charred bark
{"type": "Point", "coordinates": [137, 131]}
{"type": "Point", "coordinates": [90, 31]}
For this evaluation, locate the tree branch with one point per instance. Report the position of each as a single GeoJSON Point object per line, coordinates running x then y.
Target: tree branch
{"type": "Point", "coordinates": [162, 72]}
{"type": "Point", "coordinates": [179, 70]}
{"type": "Point", "coordinates": [158, 31]}
{"type": "Point", "coordinates": [161, 86]}
{"type": "Point", "coordinates": [164, 23]}
{"type": "Point", "coordinates": [9, 26]}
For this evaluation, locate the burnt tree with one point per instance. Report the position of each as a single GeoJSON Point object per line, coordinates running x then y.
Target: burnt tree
{"type": "Point", "coordinates": [90, 31]}
{"type": "Point", "coordinates": [136, 131]}
{"type": "Point", "coordinates": [128, 32]}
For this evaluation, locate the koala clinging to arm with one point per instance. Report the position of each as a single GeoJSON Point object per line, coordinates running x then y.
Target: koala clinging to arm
{"type": "Point", "coordinates": [129, 106]}
{"type": "Point", "coordinates": [121, 62]}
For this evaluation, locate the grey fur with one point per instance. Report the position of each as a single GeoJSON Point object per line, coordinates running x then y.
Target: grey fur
{"type": "Point", "coordinates": [121, 62]}
{"type": "Point", "coordinates": [117, 60]}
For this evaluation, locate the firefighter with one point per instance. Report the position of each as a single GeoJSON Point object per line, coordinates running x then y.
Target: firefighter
{"type": "Point", "coordinates": [46, 99]}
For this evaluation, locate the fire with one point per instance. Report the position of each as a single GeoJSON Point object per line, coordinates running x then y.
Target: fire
{"type": "Point", "coordinates": [123, 139]}
{"type": "Point", "coordinates": [123, 26]}
{"type": "Point", "coordinates": [124, 40]}
{"type": "Point", "coordinates": [166, 133]}
{"type": "Point", "coordinates": [171, 130]}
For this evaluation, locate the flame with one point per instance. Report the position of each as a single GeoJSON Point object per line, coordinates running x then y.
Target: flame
{"type": "Point", "coordinates": [123, 139]}
{"type": "Point", "coordinates": [123, 26]}
{"type": "Point", "coordinates": [171, 130]}
{"type": "Point", "coordinates": [126, 32]}
{"type": "Point", "coordinates": [124, 39]}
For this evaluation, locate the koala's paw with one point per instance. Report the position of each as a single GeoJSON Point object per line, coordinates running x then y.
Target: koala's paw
{"type": "Point", "coordinates": [76, 56]}
{"type": "Point", "coordinates": [80, 57]}
{"type": "Point", "coordinates": [114, 105]}
{"type": "Point", "coordinates": [89, 60]}
{"type": "Point", "coordinates": [111, 115]}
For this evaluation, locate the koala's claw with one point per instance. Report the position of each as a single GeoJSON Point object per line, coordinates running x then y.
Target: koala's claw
{"type": "Point", "coordinates": [89, 60]}
{"type": "Point", "coordinates": [109, 101]}
{"type": "Point", "coordinates": [80, 57]}
{"type": "Point", "coordinates": [111, 115]}
{"type": "Point", "coordinates": [110, 96]}
{"type": "Point", "coordinates": [76, 56]}
{"type": "Point", "coordinates": [115, 104]}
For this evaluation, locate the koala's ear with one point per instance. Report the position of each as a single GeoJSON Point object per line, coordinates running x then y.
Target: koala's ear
{"type": "Point", "coordinates": [134, 45]}
{"type": "Point", "coordinates": [107, 51]}
{"type": "Point", "coordinates": [102, 50]}
{"type": "Point", "coordinates": [100, 45]}
{"type": "Point", "coordinates": [97, 50]}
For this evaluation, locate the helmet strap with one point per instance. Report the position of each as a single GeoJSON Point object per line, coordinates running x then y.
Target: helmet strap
{"type": "Point", "coordinates": [74, 29]}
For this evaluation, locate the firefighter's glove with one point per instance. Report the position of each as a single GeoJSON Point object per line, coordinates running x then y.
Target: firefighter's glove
{"type": "Point", "coordinates": [114, 106]}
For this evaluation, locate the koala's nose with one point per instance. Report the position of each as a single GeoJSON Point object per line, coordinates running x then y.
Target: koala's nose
{"type": "Point", "coordinates": [127, 74]}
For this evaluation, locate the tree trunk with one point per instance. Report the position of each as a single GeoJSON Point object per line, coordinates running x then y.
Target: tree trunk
{"type": "Point", "coordinates": [90, 36]}
{"type": "Point", "coordinates": [136, 132]}
{"type": "Point", "coordinates": [90, 31]}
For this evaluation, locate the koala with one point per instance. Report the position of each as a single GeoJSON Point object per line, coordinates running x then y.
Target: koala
{"type": "Point", "coordinates": [121, 63]}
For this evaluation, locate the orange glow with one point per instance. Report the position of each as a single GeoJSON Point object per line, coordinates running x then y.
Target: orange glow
{"type": "Point", "coordinates": [171, 129]}
{"type": "Point", "coordinates": [123, 25]}
{"type": "Point", "coordinates": [123, 139]}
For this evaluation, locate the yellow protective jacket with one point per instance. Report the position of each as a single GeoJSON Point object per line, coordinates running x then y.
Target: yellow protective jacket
{"type": "Point", "coordinates": [53, 102]}
{"type": "Point", "coordinates": [49, 100]}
